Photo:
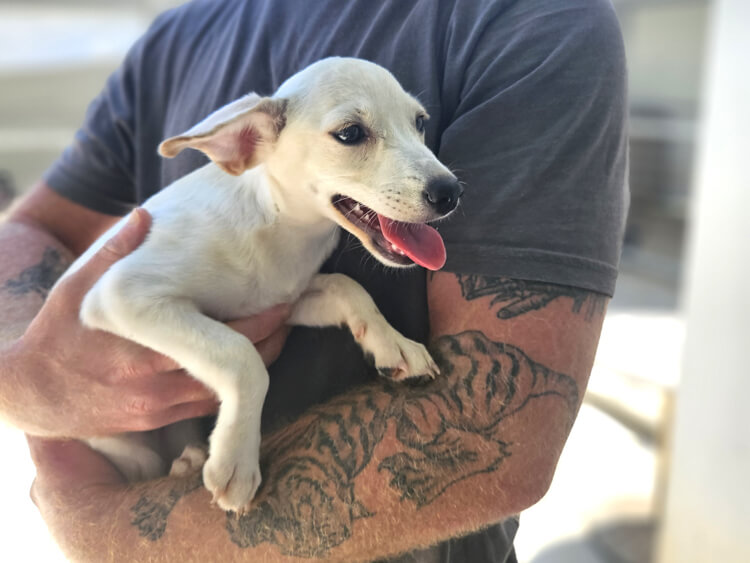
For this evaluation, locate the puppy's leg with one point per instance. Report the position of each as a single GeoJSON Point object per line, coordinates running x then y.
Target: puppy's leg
{"type": "Point", "coordinates": [135, 454]}
{"type": "Point", "coordinates": [221, 358]}
{"type": "Point", "coordinates": [335, 299]}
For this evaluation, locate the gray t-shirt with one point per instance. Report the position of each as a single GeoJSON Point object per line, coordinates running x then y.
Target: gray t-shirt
{"type": "Point", "coordinates": [527, 105]}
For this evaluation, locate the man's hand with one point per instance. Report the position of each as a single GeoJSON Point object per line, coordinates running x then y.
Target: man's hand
{"type": "Point", "coordinates": [67, 380]}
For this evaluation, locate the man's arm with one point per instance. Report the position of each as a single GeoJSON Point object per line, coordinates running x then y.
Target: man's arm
{"type": "Point", "coordinates": [385, 468]}
{"type": "Point", "coordinates": [38, 241]}
{"type": "Point", "coordinates": [58, 378]}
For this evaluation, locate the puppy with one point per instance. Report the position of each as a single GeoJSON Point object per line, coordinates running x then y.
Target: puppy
{"type": "Point", "coordinates": [340, 144]}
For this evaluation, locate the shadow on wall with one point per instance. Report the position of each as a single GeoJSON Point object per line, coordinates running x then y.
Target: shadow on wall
{"type": "Point", "coordinates": [618, 541]}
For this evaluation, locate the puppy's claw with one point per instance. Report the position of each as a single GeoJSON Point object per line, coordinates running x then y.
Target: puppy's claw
{"type": "Point", "coordinates": [232, 480]}
{"type": "Point", "coordinates": [400, 374]}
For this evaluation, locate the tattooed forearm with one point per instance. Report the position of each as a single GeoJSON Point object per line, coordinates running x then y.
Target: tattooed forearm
{"type": "Point", "coordinates": [40, 277]}
{"type": "Point", "coordinates": [486, 383]}
{"type": "Point", "coordinates": [516, 297]}
{"type": "Point", "coordinates": [446, 432]}
{"type": "Point", "coordinates": [150, 513]}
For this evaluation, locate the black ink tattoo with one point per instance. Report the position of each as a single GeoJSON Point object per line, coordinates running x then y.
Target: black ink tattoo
{"type": "Point", "coordinates": [484, 383]}
{"type": "Point", "coordinates": [447, 431]}
{"type": "Point", "coordinates": [517, 297]}
{"type": "Point", "coordinates": [39, 278]}
{"type": "Point", "coordinates": [150, 515]}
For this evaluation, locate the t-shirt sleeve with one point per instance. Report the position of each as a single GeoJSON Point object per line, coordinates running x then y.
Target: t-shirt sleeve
{"type": "Point", "coordinates": [98, 169]}
{"type": "Point", "coordinates": [539, 139]}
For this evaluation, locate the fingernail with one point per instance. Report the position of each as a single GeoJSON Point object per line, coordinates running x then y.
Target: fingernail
{"type": "Point", "coordinates": [135, 217]}
{"type": "Point", "coordinates": [32, 493]}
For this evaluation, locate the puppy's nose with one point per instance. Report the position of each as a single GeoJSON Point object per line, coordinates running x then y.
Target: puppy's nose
{"type": "Point", "coordinates": [442, 194]}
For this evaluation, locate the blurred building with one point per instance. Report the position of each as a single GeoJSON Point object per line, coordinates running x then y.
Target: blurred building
{"type": "Point", "coordinates": [665, 42]}
{"type": "Point", "coordinates": [54, 58]}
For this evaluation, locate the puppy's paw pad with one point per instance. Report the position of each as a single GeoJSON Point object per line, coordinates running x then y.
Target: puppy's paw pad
{"type": "Point", "coordinates": [233, 483]}
{"type": "Point", "coordinates": [359, 330]}
{"type": "Point", "coordinates": [192, 459]}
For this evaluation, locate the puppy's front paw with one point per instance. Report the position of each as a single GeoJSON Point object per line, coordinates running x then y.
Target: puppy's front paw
{"type": "Point", "coordinates": [233, 477]}
{"type": "Point", "coordinates": [397, 357]}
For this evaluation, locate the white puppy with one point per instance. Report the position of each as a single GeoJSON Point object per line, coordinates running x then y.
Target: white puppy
{"type": "Point", "coordinates": [339, 144]}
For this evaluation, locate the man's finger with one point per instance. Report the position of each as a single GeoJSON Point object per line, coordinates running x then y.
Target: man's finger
{"type": "Point", "coordinates": [270, 348]}
{"type": "Point", "coordinates": [128, 238]}
{"type": "Point", "coordinates": [175, 387]}
{"type": "Point", "coordinates": [261, 326]}
{"type": "Point", "coordinates": [181, 412]}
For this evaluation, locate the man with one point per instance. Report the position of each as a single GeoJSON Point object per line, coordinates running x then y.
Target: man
{"type": "Point", "coordinates": [527, 106]}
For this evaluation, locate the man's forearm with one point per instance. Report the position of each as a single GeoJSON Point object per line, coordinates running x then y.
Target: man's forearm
{"type": "Point", "coordinates": [377, 471]}
{"type": "Point", "coordinates": [385, 468]}
{"type": "Point", "coordinates": [31, 260]}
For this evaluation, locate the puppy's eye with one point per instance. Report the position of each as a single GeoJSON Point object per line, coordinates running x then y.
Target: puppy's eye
{"type": "Point", "coordinates": [351, 135]}
{"type": "Point", "coordinates": [420, 123]}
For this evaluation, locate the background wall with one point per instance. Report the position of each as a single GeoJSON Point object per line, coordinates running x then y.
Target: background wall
{"type": "Point", "coordinates": [707, 515]}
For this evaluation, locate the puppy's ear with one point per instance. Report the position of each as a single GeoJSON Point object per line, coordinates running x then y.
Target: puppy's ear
{"type": "Point", "coordinates": [236, 137]}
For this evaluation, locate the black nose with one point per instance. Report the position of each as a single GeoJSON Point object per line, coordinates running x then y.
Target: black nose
{"type": "Point", "coordinates": [442, 194]}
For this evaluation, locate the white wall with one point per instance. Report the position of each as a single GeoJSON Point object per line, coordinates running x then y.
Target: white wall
{"type": "Point", "coordinates": [708, 504]}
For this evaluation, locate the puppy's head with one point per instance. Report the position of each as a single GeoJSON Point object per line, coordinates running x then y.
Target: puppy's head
{"type": "Point", "coordinates": [340, 140]}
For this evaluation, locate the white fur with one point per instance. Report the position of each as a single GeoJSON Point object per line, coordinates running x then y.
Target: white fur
{"type": "Point", "coordinates": [251, 230]}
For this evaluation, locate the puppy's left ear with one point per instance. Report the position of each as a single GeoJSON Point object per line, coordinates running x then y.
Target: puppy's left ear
{"type": "Point", "coordinates": [237, 136]}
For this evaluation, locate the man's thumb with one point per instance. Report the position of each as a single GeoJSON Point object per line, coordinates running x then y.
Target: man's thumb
{"type": "Point", "coordinates": [128, 238]}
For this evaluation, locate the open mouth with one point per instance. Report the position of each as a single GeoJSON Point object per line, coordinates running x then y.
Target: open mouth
{"type": "Point", "coordinates": [398, 242]}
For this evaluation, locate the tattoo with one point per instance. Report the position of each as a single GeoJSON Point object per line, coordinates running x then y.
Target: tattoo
{"type": "Point", "coordinates": [517, 297]}
{"type": "Point", "coordinates": [446, 431]}
{"type": "Point", "coordinates": [150, 515]}
{"type": "Point", "coordinates": [485, 383]}
{"type": "Point", "coordinates": [39, 278]}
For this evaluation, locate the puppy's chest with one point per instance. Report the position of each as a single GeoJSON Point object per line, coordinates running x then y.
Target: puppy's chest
{"type": "Point", "coordinates": [264, 274]}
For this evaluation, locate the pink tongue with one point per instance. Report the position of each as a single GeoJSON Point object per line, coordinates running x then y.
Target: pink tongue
{"type": "Point", "coordinates": [419, 242]}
